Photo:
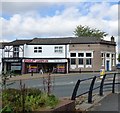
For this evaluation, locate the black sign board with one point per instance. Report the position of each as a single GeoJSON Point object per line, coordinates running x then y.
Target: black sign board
{"type": "Point", "coordinates": [11, 60]}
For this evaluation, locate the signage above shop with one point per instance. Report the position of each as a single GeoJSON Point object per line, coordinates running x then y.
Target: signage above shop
{"type": "Point", "coordinates": [12, 60]}
{"type": "Point", "coordinates": [35, 60]}
{"type": "Point", "coordinates": [45, 60]}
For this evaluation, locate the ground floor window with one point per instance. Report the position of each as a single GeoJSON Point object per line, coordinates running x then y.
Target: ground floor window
{"type": "Point", "coordinates": [80, 61]}
{"type": "Point", "coordinates": [88, 61]}
{"type": "Point", "coordinates": [73, 61]}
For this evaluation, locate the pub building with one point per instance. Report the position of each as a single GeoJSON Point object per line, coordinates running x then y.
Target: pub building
{"type": "Point", "coordinates": [60, 55]}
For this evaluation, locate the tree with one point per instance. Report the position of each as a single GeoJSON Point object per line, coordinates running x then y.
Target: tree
{"type": "Point", "coordinates": [86, 31]}
{"type": "Point", "coordinates": [119, 57]}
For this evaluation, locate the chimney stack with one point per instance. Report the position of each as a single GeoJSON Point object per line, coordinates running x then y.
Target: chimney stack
{"type": "Point", "coordinates": [112, 39]}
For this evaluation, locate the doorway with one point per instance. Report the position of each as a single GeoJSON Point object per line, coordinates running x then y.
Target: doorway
{"type": "Point", "coordinates": [108, 65]}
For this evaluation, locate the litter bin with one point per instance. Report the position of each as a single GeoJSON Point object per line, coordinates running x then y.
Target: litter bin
{"type": "Point", "coordinates": [102, 73]}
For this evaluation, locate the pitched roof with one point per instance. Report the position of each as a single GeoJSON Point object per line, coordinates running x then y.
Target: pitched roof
{"type": "Point", "coordinates": [69, 40]}
{"type": "Point", "coordinates": [2, 44]}
{"type": "Point", "coordinates": [19, 42]}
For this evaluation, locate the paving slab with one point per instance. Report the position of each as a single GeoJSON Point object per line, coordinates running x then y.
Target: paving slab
{"type": "Point", "coordinates": [110, 103]}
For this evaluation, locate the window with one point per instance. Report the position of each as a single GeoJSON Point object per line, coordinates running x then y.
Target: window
{"type": "Point", "coordinates": [58, 49]}
{"type": "Point", "coordinates": [108, 55]}
{"type": "Point", "coordinates": [16, 51]}
{"type": "Point", "coordinates": [73, 61]}
{"type": "Point", "coordinates": [80, 61]}
{"type": "Point", "coordinates": [73, 54]}
{"type": "Point", "coordinates": [88, 61]}
{"type": "Point", "coordinates": [37, 49]}
{"type": "Point", "coordinates": [80, 54]}
{"type": "Point", "coordinates": [88, 54]}
{"type": "Point", "coordinates": [102, 54]}
{"type": "Point", "coordinates": [113, 56]}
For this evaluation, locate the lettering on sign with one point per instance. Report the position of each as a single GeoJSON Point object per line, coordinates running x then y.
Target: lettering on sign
{"type": "Point", "coordinates": [11, 60]}
{"type": "Point", "coordinates": [35, 60]}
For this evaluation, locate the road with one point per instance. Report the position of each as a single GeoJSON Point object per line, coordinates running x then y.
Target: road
{"type": "Point", "coordinates": [62, 86]}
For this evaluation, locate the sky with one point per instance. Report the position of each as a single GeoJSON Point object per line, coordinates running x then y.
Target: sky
{"type": "Point", "coordinates": [56, 18]}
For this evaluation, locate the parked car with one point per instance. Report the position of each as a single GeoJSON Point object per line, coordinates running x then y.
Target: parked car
{"type": "Point", "coordinates": [118, 66]}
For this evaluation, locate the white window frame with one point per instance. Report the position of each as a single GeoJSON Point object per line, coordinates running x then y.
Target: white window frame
{"type": "Point", "coordinates": [88, 65]}
{"type": "Point", "coordinates": [81, 65]}
{"type": "Point", "coordinates": [38, 49]}
{"type": "Point", "coordinates": [73, 56]}
{"type": "Point", "coordinates": [58, 49]}
{"type": "Point", "coordinates": [81, 56]}
{"type": "Point", "coordinates": [16, 51]}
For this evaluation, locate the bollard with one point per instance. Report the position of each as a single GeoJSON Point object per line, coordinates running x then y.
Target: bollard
{"type": "Point", "coordinates": [102, 73]}
{"type": "Point", "coordinates": [32, 73]}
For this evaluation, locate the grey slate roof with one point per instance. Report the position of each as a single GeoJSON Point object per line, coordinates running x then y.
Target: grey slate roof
{"type": "Point", "coordinates": [69, 40]}
{"type": "Point", "coordinates": [58, 41]}
{"type": "Point", "coordinates": [2, 44]}
{"type": "Point", "coordinates": [19, 42]}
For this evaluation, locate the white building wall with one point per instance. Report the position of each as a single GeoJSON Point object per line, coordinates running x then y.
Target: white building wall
{"type": "Point", "coordinates": [21, 51]}
{"type": "Point", "coordinates": [47, 51]}
{"type": "Point", "coordinates": [8, 52]}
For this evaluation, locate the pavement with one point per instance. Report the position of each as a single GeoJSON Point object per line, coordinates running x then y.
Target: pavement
{"type": "Point", "coordinates": [38, 75]}
{"type": "Point", "coordinates": [109, 102]}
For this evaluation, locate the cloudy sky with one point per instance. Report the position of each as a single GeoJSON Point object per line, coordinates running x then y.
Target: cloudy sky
{"type": "Point", "coordinates": [26, 20]}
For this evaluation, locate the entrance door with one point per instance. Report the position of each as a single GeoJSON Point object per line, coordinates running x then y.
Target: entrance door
{"type": "Point", "coordinates": [108, 65]}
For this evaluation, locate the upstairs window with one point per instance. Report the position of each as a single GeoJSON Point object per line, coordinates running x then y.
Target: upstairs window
{"type": "Point", "coordinates": [16, 51]}
{"type": "Point", "coordinates": [72, 54]}
{"type": "Point", "coordinates": [58, 49]}
{"type": "Point", "coordinates": [80, 54]}
{"type": "Point", "coordinates": [88, 54]}
{"type": "Point", "coordinates": [37, 49]}
{"type": "Point", "coordinates": [113, 56]}
{"type": "Point", "coordinates": [102, 55]}
{"type": "Point", "coordinates": [108, 55]}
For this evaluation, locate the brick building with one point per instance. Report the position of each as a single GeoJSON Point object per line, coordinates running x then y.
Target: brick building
{"type": "Point", "coordinates": [69, 54]}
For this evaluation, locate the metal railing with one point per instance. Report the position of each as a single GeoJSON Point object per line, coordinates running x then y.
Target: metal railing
{"type": "Point", "coordinates": [92, 84]}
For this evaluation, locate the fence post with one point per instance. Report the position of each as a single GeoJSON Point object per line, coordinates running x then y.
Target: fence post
{"type": "Point", "coordinates": [101, 86]}
{"type": "Point", "coordinates": [75, 90]}
{"type": "Point", "coordinates": [113, 86]}
{"type": "Point", "coordinates": [91, 89]}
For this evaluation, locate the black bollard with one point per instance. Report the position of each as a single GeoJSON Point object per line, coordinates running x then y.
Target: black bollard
{"type": "Point", "coordinates": [32, 73]}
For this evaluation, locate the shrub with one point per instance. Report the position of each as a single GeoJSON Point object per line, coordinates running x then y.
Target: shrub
{"type": "Point", "coordinates": [34, 99]}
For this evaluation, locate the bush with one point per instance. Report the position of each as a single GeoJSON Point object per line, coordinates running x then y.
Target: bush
{"type": "Point", "coordinates": [34, 99]}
